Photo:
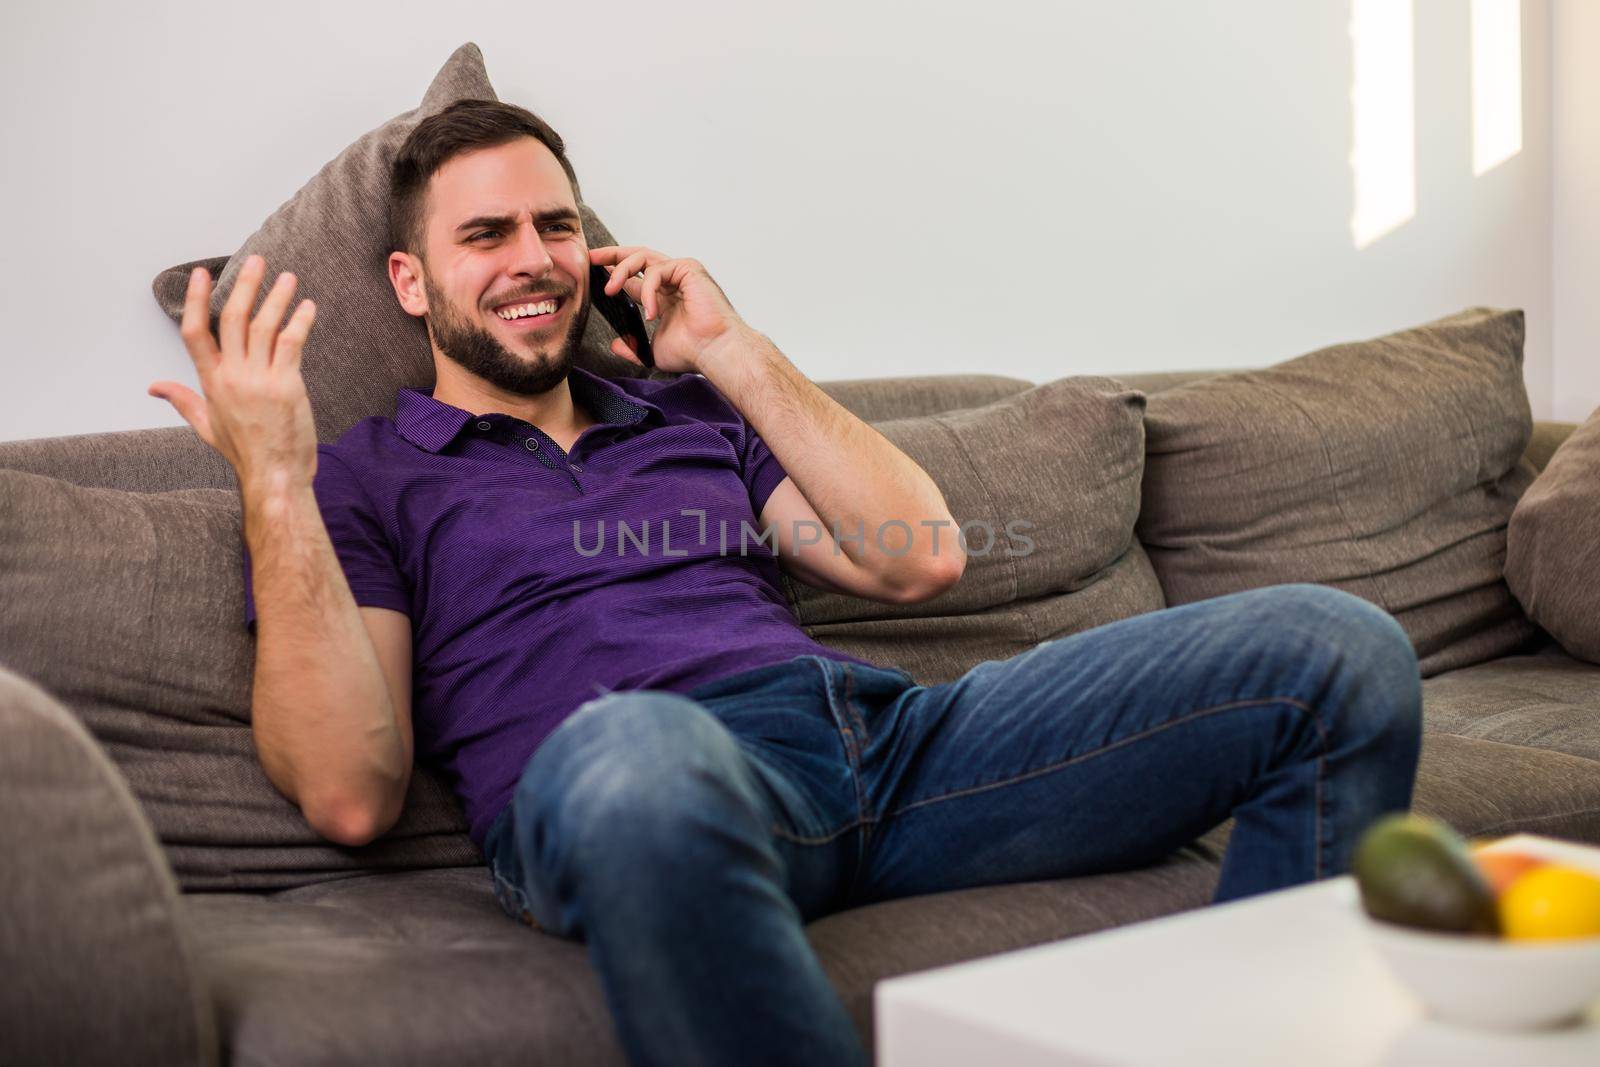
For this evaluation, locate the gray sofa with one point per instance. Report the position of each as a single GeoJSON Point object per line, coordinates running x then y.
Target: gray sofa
{"type": "Point", "coordinates": [124, 940]}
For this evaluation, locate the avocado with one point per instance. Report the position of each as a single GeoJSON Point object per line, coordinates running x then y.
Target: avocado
{"type": "Point", "coordinates": [1417, 871]}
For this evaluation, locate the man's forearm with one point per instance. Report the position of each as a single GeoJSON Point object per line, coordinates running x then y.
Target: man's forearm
{"type": "Point", "coordinates": [322, 718]}
{"type": "Point", "coordinates": [856, 480]}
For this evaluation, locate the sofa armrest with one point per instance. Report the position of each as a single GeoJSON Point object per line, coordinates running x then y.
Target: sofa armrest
{"type": "Point", "coordinates": [96, 969]}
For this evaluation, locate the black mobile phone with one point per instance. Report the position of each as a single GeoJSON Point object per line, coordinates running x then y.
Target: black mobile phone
{"type": "Point", "coordinates": [620, 312]}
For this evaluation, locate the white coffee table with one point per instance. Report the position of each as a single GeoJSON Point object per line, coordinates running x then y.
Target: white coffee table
{"type": "Point", "coordinates": [1285, 978]}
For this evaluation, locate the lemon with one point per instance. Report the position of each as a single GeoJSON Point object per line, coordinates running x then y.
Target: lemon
{"type": "Point", "coordinates": [1551, 902]}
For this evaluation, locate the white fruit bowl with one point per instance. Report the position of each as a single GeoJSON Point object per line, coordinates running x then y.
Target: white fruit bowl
{"type": "Point", "coordinates": [1492, 982]}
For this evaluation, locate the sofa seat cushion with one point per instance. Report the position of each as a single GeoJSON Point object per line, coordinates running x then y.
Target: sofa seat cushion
{"type": "Point", "coordinates": [423, 967]}
{"type": "Point", "coordinates": [1547, 700]}
{"type": "Point", "coordinates": [395, 968]}
{"type": "Point", "coordinates": [1488, 789]}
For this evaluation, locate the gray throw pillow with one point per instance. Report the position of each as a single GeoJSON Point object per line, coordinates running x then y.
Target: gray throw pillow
{"type": "Point", "coordinates": [1553, 544]}
{"type": "Point", "coordinates": [1060, 464]}
{"type": "Point", "coordinates": [125, 606]}
{"type": "Point", "coordinates": [1387, 468]}
{"type": "Point", "coordinates": [333, 234]}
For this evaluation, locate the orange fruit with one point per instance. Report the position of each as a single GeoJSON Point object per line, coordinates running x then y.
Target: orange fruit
{"type": "Point", "coordinates": [1503, 868]}
{"type": "Point", "coordinates": [1551, 902]}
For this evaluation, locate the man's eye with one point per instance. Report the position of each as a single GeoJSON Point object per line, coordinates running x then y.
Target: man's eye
{"type": "Point", "coordinates": [485, 233]}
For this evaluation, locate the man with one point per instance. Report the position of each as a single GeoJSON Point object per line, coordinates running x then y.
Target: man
{"type": "Point", "coordinates": [651, 752]}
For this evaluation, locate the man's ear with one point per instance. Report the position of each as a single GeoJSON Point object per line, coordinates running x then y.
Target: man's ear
{"type": "Point", "coordinates": [406, 276]}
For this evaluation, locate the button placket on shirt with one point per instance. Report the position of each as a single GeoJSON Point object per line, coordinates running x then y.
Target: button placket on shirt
{"type": "Point", "coordinates": [547, 455]}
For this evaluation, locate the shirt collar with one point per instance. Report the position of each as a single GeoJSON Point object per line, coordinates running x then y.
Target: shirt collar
{"type": "Point", "coordinates": [432, 424]}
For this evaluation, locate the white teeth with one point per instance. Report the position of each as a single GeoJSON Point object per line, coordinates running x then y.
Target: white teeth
{"type": "Point", "coordinates": [524, 310]}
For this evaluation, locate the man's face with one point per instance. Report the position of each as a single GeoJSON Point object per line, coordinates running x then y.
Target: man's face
{"type": "Point", "coordinates": [503, 231]}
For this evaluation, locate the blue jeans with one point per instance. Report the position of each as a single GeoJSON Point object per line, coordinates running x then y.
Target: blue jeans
{"type": "Point", "coordinates": [688, 838]}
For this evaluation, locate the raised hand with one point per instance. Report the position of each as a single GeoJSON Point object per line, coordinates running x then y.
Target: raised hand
{"type": "Point", "coordinates": [689, 308]}
{"type": "Point", "coordinates": [254, 409]}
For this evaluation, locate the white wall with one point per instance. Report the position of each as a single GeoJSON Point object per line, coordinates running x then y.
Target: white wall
{"type": "Point", "coordinates": [885, 189]}
{"type": "Point", "coordinates": [1575, 207]}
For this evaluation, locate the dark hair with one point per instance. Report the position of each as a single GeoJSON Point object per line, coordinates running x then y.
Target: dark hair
{"type": "Point", "coordinates": [464, 126]}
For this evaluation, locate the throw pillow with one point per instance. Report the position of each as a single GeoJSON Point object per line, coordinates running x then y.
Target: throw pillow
{"type": "Point", "coordinates": [1387, 468]}
{"type": "Point", "coordinates": [333, 235]}
{"type": "Point", "coordinates": [1553, 545]}
{"type": "Point", "coordinates": [1045, 485]}
{"type": "Point", "coordinates": [125, 607]}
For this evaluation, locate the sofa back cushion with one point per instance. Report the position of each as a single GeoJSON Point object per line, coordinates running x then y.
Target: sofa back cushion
{"type": "Point", "coordinates": [1045, 485]}
{"type": "Point", "coordinates": [126, 607]}
{"type": "Point", "coordinates": [1553, 545]}
{"type": "Point", "coordinates": [1388, 468]}
{"type": "Point", "coordinates": [882, 399]}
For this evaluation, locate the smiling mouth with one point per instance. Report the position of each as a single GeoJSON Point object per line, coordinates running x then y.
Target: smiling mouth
{"type": "Point", "coordinates": [534, 322]}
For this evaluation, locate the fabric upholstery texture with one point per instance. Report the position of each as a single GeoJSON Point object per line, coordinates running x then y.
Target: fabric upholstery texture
{"type": "Point", "coordinates": [333, 234]}
{"type": "Point", "coordinates": [1387, 468]}
{"type": "Point", "coordinates": [1487, 789]}
{"type": "Point", "coordinates": [1553, 545]}
{"type": "Point", "coordinates": [1547, 438]}
{"type": "Point", "coordinates": [172, 457]}
{"type": "Point", "coordinates": [126, 607]}
{"type": "Point", "coordinates": [882, 399]}
{"type": "Point", "coordinates": [1546, 700]}
{"type": "Point", "coordinates": [93, 946]}
{"type": "Point", "coordinates": [1050, 474]}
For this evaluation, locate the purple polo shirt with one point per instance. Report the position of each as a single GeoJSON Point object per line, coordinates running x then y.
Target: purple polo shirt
{"type": "Point", "coordinates": [526, 599]}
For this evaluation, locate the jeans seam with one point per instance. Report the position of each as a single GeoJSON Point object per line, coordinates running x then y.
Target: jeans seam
{"type": "Point", "coordinates": [864, 845]}
{"type": "Point", "coordinates": [1230, 706]}
{"type": "Point", "coordinates": [850, 707]}
{"type": "Point", "coordinates": [842, 719]}
{"type": "Point", "coordinates": [1322, 814]}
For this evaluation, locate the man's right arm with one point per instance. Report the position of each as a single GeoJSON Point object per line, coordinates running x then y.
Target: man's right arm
{"type": "Point", "coordinates": [331, 702]}
{"type": "Point", "coordinates": [331, 697]}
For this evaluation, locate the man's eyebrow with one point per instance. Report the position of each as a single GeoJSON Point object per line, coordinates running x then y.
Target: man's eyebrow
{"type": "Point", "coordinates": [549, 214]}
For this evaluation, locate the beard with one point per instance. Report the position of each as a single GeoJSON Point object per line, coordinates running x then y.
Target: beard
{"type": "Point", "coordinates": [465, 342]}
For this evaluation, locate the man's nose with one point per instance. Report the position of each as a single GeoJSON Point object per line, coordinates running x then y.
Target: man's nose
{"type": "Point", "coordinates": [531, 255]}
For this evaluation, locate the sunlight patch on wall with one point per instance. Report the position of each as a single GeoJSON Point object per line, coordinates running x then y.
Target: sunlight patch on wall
{"type": "Point", "coordinates": [1496, 82]}
{"type": "Point", "coordinates": [1384, 156]}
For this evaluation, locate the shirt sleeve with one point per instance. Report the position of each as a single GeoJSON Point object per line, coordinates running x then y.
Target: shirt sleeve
{"type": "Point", "coordinates": [760, 468]}
{"type": "Point", "coordinates": [356, 531]}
